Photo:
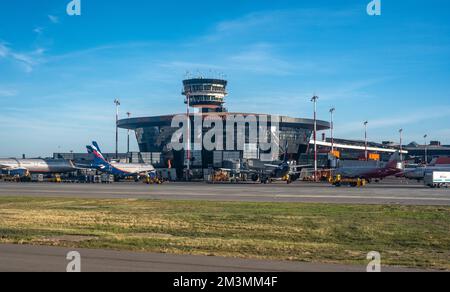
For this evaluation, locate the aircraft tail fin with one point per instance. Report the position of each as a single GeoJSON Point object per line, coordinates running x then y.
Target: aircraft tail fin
{"type": "Point", "coordinates": [95, 149]}
{"type": "Point", "coordinates": [95, 144]}
{"type": "Point", "coordinates": [394, 161]}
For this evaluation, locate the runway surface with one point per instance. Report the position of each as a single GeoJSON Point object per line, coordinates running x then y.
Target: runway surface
{"type": "Point", "coordinates": [385, 193]}
{"type": "Point", "coordinates": [17, 258]}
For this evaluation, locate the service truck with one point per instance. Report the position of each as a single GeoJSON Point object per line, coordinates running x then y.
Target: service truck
{"type": "Point", "coordinates": [437, 179]}
{"type": "Point", "coordinates": [35, 177]}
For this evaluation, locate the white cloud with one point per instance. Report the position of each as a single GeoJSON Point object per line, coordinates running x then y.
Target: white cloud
{"type": "Point", "coordinates": [38, 30]}
{"type": "Point", "coordinates": [246, 22]}
{"type": "Point", "coordinates": [26, 60]}
{"type": "Point", "coordinates": [39, 51]}
{"type": "Point", "coordinates": [53, 19]}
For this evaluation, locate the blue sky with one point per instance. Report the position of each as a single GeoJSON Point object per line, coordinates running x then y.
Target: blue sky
{"type": "Point", "coordinates": [60, 74]}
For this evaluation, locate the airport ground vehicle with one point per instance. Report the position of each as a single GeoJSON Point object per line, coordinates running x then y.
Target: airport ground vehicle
{"type": "Point", "coordinates": [220, 176]}
{"type": "Point", "coordinates": [107, 179]}
{"type": "Point", "coordinates": [153, 180]}
{"type": "Point", "coordinates": [56, 179]}
{"type": "Point", "coordinates": [339, 181]}
{"type": "Point", "coordinates": [9, 178]}
{"type": "Point", "coordinates": [37, 177]}
{"type": "Point", "coordinates": [33, 178]}
{"type": "Point", "coordinates": [437, 179]}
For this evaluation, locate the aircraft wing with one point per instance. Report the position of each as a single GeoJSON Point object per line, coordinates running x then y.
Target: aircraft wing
{"type": "Point", "coordinates": [300, 166]}
{"type": "Point", "coordinates": [231, 170]}
{"type": "Point", "coordinates": [143, 173]}
{"type": "Point", "coordinates": [84, 166]}
{"type": "Point", "coordinates": [6, 167]}
{"type": "Point", "coordinates": [147, 171]}
{"type": "Point", "coordinates": [248, 171]}
{"type": "Point", "coordinates": [295, 172]}
{"type": "Point", "coordinates": [291, 166]}
{"type": "Point", "coordinates": [271, 165]}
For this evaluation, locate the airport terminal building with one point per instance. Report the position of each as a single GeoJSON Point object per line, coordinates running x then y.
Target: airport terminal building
{"type": "Point", "coordinates": [207, 97]}
{"type": "Point", "coordinates": [427, 151]}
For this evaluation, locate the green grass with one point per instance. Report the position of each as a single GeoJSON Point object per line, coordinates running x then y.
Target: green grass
{"type": "Point", "coordinates": [410, 236]}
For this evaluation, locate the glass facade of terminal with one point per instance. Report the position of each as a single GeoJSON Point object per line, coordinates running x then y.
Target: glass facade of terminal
{"type": "Point", "coordinates": [157, 137]}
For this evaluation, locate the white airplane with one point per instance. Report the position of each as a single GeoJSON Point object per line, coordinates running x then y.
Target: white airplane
{"type": "Point", "coordinates": [121, 170]}
{"type": "Point", "coordinates": [419, 173]}
{"type": "Point", "coordinates": [23, 167]}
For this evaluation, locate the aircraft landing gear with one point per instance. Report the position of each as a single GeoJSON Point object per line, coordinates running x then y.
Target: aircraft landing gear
{"type": "Point", "coordinates": [289, 180]}
{"type": "Point", "coordinates": [265, 180]}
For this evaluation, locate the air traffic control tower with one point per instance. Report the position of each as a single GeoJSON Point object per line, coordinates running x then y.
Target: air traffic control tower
{"type": "Point", "coordinates": [208, 95]}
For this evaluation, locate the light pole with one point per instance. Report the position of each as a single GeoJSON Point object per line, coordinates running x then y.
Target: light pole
{"type": "Point", "coordinates": [365, 140]}
{"type": "Point", "coordinates": [332, 129]}
{"type": "Point", "coordinates": [401, 145]}
{"type": "Point", "coordinates": [188, 138]}
{"type": "Point", "coordinates": [128, 135]}
{"type": "Point", "coordinates": [314, 100]}
{"type": "Point", "coordinates": [117, 103]}
{"type": "Point", "coordinates": [426, 150]}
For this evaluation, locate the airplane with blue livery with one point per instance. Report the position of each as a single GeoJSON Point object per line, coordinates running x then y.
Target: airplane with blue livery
{"type": "Point", "coordinates": [119, 170]}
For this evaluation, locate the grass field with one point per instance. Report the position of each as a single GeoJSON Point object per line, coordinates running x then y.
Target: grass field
{"type": "Point", "coordinates": [410, 236]}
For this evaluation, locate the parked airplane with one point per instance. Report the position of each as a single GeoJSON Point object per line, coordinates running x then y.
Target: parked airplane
{"type": "Point", "coordinates": [419, 173]}
{"type": "Point", "coordinates": [372, 173]}
{"type": "Point", "coordinates": [23, 167]}
{"type": "Point", "coordinates": [120, 170]}
{"type": "Point", "coordinates": [285, 171]}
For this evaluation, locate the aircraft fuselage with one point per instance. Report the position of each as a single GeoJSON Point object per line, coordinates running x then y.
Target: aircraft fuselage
{"type": "Point", "coordinates": [37, 165]}
{"type": "Point", "coordinates": [367, 172]}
